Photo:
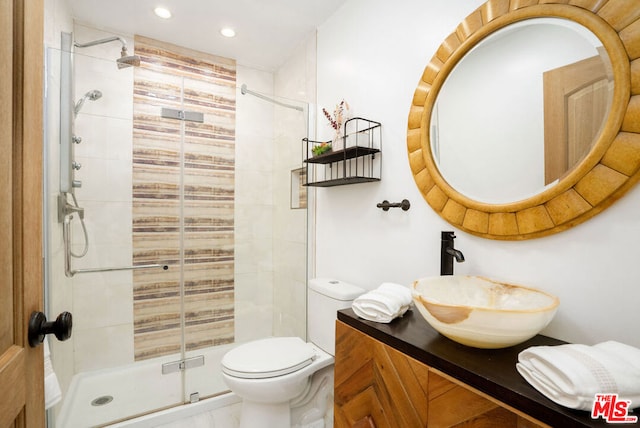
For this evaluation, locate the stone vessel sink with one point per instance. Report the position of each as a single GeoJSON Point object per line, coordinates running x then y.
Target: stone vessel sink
{"type": "Point", "coordinates": [483, 313]}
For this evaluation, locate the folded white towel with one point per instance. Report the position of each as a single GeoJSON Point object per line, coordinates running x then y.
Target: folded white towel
{"type": "Point", "coordinates": [383, 304]}
{"type": "Point", "coordinates": [52, 392]}
{"type": "Point", "coordinates": [571, 375]}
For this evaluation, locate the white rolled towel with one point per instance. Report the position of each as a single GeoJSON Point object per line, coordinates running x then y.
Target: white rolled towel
{"type": "Point", "coordinates": [52, 392]}
{"type": "Point", "coordinates": [384, 304]}
{"type": "Point", "coordinates": [571, 375]}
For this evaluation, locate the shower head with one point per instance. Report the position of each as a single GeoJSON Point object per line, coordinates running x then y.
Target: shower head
{"type": "Point", "coordinates": [127, 60]}
{"type": "Point", "coordinates": [91, 95]}
{"type": "Point", "coordinates": [124, 61]}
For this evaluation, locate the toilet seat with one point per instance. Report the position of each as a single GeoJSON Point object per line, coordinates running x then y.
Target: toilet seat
{"type": "Point", "coordinates": [265, 358]}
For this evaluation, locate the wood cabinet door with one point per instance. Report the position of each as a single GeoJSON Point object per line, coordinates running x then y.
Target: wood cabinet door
{"type": "Point", "coordinates": [21, 92]}
{"type": "Point", "coordinates": [377, 386]}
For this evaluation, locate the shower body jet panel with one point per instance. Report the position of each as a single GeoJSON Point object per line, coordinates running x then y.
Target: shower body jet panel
{"type": "Point", "coordinates": [69, 110]}
{"type": "Point", "coordinates": [66, 114]}
{"type": "Point", "coordinates": [68, 139]}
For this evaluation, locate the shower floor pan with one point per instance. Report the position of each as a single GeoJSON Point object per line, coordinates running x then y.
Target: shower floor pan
{"type": "Point", "coordinates": [101, 397]}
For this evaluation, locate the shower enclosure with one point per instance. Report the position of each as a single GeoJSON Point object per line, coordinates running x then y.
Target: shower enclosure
{"type": "Point", "coordinates": [170, 233]}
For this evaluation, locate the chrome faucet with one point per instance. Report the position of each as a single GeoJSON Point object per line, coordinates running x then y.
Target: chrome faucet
{"type": "Point", "coordinates": [448, 253]}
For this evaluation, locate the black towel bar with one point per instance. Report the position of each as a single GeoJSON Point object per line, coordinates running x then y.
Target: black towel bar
{"type": "Point", "coordinates": [385, 205]}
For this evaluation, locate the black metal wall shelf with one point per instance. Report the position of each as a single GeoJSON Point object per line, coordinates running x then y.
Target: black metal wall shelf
{"type": "Point", "coordinates": [357, 161]}
{"type": "Point", "coordinates": [342, 181]}
{"type": "Point", "coordinates": [348, 153]}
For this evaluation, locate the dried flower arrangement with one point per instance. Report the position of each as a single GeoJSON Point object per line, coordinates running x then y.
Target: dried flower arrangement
{"type": "Point", "coordinates": [338, 117]}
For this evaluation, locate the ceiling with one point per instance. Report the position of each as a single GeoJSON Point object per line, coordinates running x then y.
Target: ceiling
{"type": "Point", "coordinates": [267, 31]}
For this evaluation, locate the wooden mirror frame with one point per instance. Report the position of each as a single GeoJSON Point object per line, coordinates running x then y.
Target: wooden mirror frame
{"type": "Point", "coordinates": [609, 170]}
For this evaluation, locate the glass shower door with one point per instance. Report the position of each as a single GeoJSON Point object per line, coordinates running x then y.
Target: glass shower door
{"type": "Point", "coordinates": [186, 115]}
{"type": "Point", "coordinates": [178, 168]}
{"type": "Point", "coordinates": [102, 379]}
{"type": "Point", "coordinates": [269, 232]}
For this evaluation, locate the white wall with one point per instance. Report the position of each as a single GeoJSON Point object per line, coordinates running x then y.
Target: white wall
{"type": "Point", "coordinates": [372, 53]}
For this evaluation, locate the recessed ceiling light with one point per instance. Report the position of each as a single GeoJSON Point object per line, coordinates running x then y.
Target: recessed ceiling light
{"type": "Point", "coordinates": [228, 32]}
{"type": "Point", "coordinates": [162, 12]}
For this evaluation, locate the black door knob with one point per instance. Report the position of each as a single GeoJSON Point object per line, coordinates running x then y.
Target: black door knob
{"type": "Point", "coordinates": [39, 327]}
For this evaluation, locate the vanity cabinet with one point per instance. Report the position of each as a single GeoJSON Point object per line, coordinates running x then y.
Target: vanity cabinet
{"type": "Point", "coordinates": [404, 374]}
{"type": "Point", "coordinates": [354, 158]}
{"type": "Point", "coordinates": [378, 386]}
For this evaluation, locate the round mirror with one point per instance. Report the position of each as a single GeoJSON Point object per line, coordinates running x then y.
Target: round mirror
{"type": "Point", "coordinates": [488, 123]}
{"type": "Point", "coordinates": [551, 150]}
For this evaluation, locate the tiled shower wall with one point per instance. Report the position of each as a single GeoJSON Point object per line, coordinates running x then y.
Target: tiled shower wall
{"type": "Point", "coordinates": [183, 200]}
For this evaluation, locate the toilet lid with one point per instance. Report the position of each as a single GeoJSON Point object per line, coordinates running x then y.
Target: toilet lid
{"type": "Point", "coordinates": [271, 357]}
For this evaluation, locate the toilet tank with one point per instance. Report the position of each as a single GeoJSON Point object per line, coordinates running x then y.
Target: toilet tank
{"type": "Point", "coordinates": [325, 297]}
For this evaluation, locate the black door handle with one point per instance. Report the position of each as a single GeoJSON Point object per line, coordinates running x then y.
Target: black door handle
{"type": "Point", "coordinates": [39, 327]}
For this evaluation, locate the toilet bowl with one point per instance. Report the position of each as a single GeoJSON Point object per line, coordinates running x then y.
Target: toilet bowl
{"type": "Point", "coordinates": [280, 373]}
{"type": "Point", "coordinates": [268, 383]}
{"type": "Point", "coordinates": [269, 374]}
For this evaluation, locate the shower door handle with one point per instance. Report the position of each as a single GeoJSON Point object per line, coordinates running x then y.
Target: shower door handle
{"type": "Point", "coordinates": [39, 327]}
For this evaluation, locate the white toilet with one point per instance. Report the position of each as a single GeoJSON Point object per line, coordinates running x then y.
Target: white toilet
{"type": "Point", "coordinates": [269, 374]}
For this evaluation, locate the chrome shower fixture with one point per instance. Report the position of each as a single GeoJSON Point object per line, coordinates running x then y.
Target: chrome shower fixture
{"type": "Point", "coordinates": [91, 95]}
{"type": "Point", "coordinates": [244, 91]}
{"type": "Point", "coordinates": [125, 59]}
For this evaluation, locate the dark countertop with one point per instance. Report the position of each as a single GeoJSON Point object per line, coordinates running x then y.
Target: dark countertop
{"type": "Point", "coordinates": [492, 371]}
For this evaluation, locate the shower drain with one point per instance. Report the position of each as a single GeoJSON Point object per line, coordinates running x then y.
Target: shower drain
{"type": "Point", "coordinates": [101, 401]}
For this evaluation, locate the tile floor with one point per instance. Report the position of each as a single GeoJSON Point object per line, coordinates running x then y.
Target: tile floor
{"type": "Point", "coordinates": [225, 417]}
